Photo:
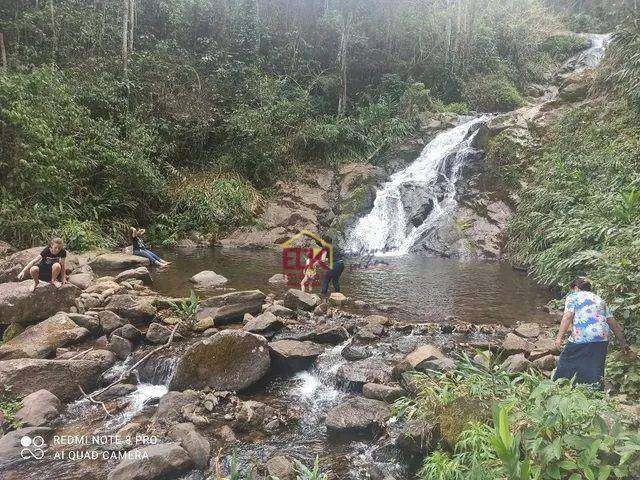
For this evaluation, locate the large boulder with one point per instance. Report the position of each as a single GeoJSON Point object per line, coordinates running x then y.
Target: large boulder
{"type": "Point", "coordinates": [416, 438]}
{"type": "Point", "coordinates": [208, 279]}
{"type": "Point", "coordinates": [297, 299]}
{"type": "Point", "coordinates": [231, 307]}
{"type": "Point", "coordinates": [386, 393]}
{"type": "Point", "coordinates": [20, 305]}
{"type": "Point", "coordinates": [292, 355]}
{"type": "Point", "coordinates": [137, 309]}
{"type": "Point", "coordinates": [514, 344]}
{"type": "Point", "coordinates": [81, 280]}
{"type": "Point", "coordinates": [42, 340]}
{"type": "Point", "coordinates": [61, 377]}
{"type": "Point", "coordinates": [265, 322]}
{"type": "Point", "coordinates": [154, 462]}
{"type": "Point", "coordinates": [369, 370]}
{"type": "Point", "coordinates": [358, 415]}
{"type": "Point", "coordinates": [516, 363]}
{"type": "Point", "coordinates": [118, 261]}
{"type": "Point", "coordinates": [528, 330]}
{"type": "Point", "coordinates": [140, 273]}
{"type": "Point", "coordinates": [228, 360]}
{"type": "Point", "coordinates": [38, 409]}
{"type": "Point", "coordinates": [195, 444]}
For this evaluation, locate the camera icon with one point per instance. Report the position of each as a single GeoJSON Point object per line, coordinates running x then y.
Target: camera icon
{"type": "Point", "coordinates": [33, 447]}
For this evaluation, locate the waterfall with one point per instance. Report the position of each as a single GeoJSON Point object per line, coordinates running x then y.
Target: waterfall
{"type": "Point", "coordinates": [414, 200]}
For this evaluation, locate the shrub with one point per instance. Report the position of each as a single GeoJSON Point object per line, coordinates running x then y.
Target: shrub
{"type": "Point", "coordinates": [543, 430]}
{"type": "Point", "coordinates": [492, 93]}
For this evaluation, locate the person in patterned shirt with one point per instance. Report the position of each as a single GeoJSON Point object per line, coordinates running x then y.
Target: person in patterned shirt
{"type": "Point", "coordinates": [591, 322]}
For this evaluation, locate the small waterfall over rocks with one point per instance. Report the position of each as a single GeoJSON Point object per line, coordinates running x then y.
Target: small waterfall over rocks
{"type": "Point", "coordinates": [419, 198]}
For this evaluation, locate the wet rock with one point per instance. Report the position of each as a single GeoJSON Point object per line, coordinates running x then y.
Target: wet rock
{"type": "Point", "coordinates": [10, 446]}
{"type": "Point", "coordinates": [231, 307]}
{"type": "Point", "coordinates": [528, 330]}
{"type": "Point", "coordinates": [299, 300]}
{"type": "Point", "coordinates": [229, 360]}
{"type": "Point", "coordinates": [358, 415]}
{"type": "Point", "coordinates": [281, 467]}
{"type": "Point", "coordinates": [140, 273]}
{"type": "Point", "coordinates": [157, 333]}
{"type": "Point", "coordinates": [226, 434]}
{"type": "Point", "coordinates": [515, 344]}
{"type": "Point", "coordinates": [292, 355]}
{"type": "Point", "coordinates": [203, 325]}
{"type": "Point", "coordinates": [416, 438]}
{"type": "Point", "coordinates": [81, 280]}
{"type": "Point", "coordinates": [279, 279]}
{"type": "Point", "coordinates": [61, 377]}
{"type": "Point", "coordinates": [423, 354]}
{"type": "Point", "coordinates": [444, 364]}
{"type": "Point", "coordinates": [370, 370]}
{"type": "Point", "coordinates": [369, 332]}
{"type": "Point", "coordinates": [137, 309]}
{"type": "Point", "coordinates": [516, 363]}
{"type": "Point", "coordinates": [20, 305]}
{"type": "Point", "coordinates": [409, 382]}
{"type": "Point", "coordinates": [118, 261]}
{"type": "Point", "coordinates": [280, 311]}
{"type": "Point", "coordinates": [378, 320]}
{"type": "Point", "coordinates": [121, 347]}
{"type": "Point", "coordinates": [153, 462]}
{"type": "Point", "coordinates": [321, 309]}
{"type": "Point", "coordinates": [328, 333]}
{"type": "Point", "coordinates": [42, 340]}
{"type": "Point", "coordinates": [170, 407]}
{"type": "Point", "coordinates": [543, 347]}
{"type": "Point", "coordinates": [546, 363]}
{"type": "Point", "coordinates": [208, 279]}
{"type": "Point", "coordinates": [38, 409]}
{"type": "Point", "coordinates": [195, 444]}
{"type": "Point", "coordinates": [104, 358]}
{"type": "Point", "coordinates": [265, 322]}
{"type": "Point", "coordinates": [352, 352]}
{"type": "Point", "coordinates": [337, 299]}
{"type": "Point", "coordinates": [252, 415]}
{"type": "Point", "coordinates": [116, 391]}
{"type": "Point", "coordinates": [89, 322]}
{"type": "Point", "coordinates": [386, 393]}
{"type": "Point", "coordinates": [129, 332]}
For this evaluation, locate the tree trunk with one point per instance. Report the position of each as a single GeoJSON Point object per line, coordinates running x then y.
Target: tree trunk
{"type": "Point", "coordinates": [132, 15]}
{"type": "Point", "coordinates": [3, 55]}
{"type": "Point", "coordinates": [125, 34]}
{"type": "Point", "coordinates": [344, 51]}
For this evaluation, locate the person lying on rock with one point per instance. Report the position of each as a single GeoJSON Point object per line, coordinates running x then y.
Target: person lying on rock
{"type": "Point", "coordinates": [141, 250]}
{"type": "Point", "coordinates": [591, 323]}
{"type": "Point", "coordinates": [51, 265]}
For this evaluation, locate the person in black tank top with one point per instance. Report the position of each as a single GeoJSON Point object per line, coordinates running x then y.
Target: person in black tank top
{"type": "Point", "coordinates": [51, 265]}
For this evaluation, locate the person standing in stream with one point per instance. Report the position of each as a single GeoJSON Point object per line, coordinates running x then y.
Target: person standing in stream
{"type": "Point", "coordinates": [333, 273]}
{"type": "Point", "coordinates": [141, 250]}
{"type": "Point", "coordinates": [591, 322]}
{"type": "Point", "coordinates": [51, 265]}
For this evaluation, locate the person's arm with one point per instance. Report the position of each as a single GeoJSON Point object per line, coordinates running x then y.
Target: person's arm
{"type": "Point", "coordinates": [617, 330]}
{"type": "Point", "coordinates": [565, 325]}
{"type": "Point", "coordinates": [28, 266]}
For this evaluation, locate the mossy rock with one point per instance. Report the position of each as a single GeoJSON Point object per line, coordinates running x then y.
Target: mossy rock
{"type": "Point", "coordinates": [359, 200]}
{"type": "Point", "coordinates": [12, 331]}
{"type": "Point", "coordinates": [459, 415]}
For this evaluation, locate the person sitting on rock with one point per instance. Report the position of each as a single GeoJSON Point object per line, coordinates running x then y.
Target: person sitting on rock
{"type": "Point", "coordinates": [51, 264]}
{"type": "Point", "coordinates": [141, 250]}
{"type": "Point", "coordinates": [586, 314]}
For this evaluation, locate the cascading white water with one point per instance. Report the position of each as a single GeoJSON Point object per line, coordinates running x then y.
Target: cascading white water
{"type": "Point", "coordinates": [389, 228]}
{"type": "Point", "coordinates": [591, 57]}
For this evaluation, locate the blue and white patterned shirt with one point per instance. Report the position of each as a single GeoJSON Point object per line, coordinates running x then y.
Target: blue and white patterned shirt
{"type": "Point", "coordinates": [590, 317]}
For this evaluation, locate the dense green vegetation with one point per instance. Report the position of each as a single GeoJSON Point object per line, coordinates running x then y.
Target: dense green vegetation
{"type": "Point", "coordinates": [541, 430]}
{"type": "Point", "coordinates": [579, 208]}
{"type": "Point", "coordinates": [176, 114]}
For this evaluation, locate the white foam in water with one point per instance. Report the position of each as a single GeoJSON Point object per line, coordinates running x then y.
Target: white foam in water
{"type": "Point", "coordinates": [137, 400]}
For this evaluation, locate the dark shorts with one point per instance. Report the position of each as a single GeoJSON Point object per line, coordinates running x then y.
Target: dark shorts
{"type": "Point", "coordinates": [46, 272]}
{"type": "Point", "coordinates": [585, 361]}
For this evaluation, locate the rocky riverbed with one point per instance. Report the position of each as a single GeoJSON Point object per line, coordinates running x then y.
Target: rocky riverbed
{"type": "Point", "coordinates": [122, 382]}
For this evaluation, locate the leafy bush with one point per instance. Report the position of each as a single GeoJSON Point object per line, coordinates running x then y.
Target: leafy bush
{"type": "Point", "coordinates": [563, 46]}
{"type": "Point", "coordinates": [624, 374]}
{"type": "Point", "coordinates": [577, 213]}
{"type": "Point", "coordinates": [543, 429]}
{"type": "Point", "coordinates": [492, 93]}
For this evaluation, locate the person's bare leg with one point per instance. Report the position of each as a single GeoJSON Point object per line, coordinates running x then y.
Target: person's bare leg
{"type": "Point", "coordinates": [35, 274]}
{"type": "Point", "coordinates": [55, 271]}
